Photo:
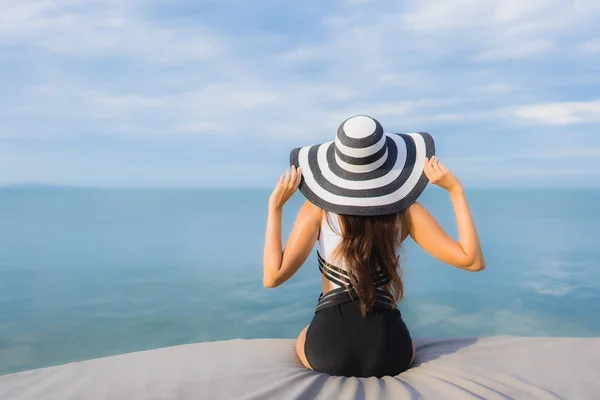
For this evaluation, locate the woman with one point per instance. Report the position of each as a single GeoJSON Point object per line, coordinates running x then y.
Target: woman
{"type": "Point", "coordinates": [362, 190]}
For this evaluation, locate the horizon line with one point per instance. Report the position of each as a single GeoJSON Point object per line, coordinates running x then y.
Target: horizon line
{"type": "Point", "coordinates": [35, 185]}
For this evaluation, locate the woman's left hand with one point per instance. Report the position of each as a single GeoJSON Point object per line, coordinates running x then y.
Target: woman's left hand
{"type": "Point", "coordinates": [286, 187]}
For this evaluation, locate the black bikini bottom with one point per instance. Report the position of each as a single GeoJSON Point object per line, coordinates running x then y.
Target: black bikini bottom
{"type": "Point", "coordinates": [341, 342]}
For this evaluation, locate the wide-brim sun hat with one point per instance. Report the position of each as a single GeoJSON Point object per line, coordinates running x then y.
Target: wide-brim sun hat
{"type": "Point", "coordinates": [364, 171]}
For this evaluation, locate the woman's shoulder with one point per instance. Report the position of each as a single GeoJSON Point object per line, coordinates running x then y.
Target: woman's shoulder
{"type": "Point", "coordinates": [311, 211]}
{"type": "Point", "coordinates": [412, 213]}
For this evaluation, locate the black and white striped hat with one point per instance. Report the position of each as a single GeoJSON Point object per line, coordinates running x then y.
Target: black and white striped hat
{"type": "Point", "coordinates": [364, 171]}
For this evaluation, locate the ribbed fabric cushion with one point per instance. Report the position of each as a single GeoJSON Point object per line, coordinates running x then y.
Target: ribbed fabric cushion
{"type": "Point", "coordinates": [489, 368]}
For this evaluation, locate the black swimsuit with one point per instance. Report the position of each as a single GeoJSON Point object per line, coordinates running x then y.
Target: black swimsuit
{"type": "Point", "coordinates": [340, 341]}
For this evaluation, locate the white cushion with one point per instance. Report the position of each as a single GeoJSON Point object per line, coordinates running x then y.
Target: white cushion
{"type": "Point", "coordinates": [490, 368]}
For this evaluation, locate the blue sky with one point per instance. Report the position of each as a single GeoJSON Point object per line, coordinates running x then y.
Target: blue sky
{"type": "Point", "coordinates": [216, 93]}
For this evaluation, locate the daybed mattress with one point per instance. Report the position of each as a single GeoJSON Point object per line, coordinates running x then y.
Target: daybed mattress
{"type": "Point", "coordinates": [489, 368]}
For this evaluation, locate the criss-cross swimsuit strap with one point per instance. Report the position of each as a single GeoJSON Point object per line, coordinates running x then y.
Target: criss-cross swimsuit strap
{"type": "Point", "coordinates": [345, 292]}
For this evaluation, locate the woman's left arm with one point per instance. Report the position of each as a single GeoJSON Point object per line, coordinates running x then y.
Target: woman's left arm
{"type": "Point", "coordinates": [280, 265]}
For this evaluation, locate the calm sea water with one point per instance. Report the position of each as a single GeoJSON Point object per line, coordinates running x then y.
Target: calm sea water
{"type": "Point", "coordinates": [91, 273]}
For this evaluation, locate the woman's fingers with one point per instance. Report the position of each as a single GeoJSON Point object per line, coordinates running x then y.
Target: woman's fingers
{"type": "Point", "coordinates": [443, 169]}
{"type": "Point", "coordinates": [427, 168]}
{"type": "Point", "coordinates": [433, 170]}
{"type": "Point", "coordinates": [435, 165]}
{"type": "Point", "coordinates": [428, 164]}
{"type": "Point", "coordinates": [298, 177]}
{"type": "Point", "coordinates": [293, 177]}
{"type": "Point", "coordinates": [286, 186]}
{"type": "Point", "coordinates": [438, 174]}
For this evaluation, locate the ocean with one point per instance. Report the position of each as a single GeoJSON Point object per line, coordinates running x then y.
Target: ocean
{"type": "Point", "coordinates": [86, 273]}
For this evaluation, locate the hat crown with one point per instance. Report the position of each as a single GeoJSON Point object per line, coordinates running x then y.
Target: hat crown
{"type": "Point", "coordinates": [360, 144]}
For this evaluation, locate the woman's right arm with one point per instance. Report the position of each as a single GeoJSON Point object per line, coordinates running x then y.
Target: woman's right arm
{"type": "Point", "coordinates": [427, 232]}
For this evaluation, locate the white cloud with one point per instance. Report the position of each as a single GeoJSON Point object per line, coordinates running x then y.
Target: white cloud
{"type": "Point", "coordinates": [102, 27]}
{"type": "Point", "coordinates": [564, 113]}
{"type": "Point", "coordinates": [130, 101]}
{"type": "Point", "coordinates": [590, 47]}
{"type": "Point", "coordinates": [407, 107]}
{"type": "Point", "coordinates": [512, 17]}
{"type": "Point", "coordinates": [253, 98]}
{"type": "Point", "coordinates": [391, 64]}
{"type": "Point", "coordinates": [515, 50]}
{"type": "Point", "coordinates": [468, 116]}
{"type": "Point", "coordinates": [499, 30]}
{"type": "Point", "coordinates": [198, 127]}
{"type": "Point", "coordinates": [492, 88]}
{"type": "Point", "coordinates": [464, 68]}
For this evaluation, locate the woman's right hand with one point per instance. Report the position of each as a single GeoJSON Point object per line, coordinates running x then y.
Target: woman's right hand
{"type": "Point", "coordinates": [439, 175]}
{"type": "Point", "coordinates": [286, 187]}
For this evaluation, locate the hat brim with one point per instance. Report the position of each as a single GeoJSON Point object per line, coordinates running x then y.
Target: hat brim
{"type": "Point", "coordinates": [390, 188]}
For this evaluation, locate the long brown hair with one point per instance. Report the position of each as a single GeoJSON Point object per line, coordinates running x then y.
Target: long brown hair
{"type": "Point", "coordinates": [368, 243]}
